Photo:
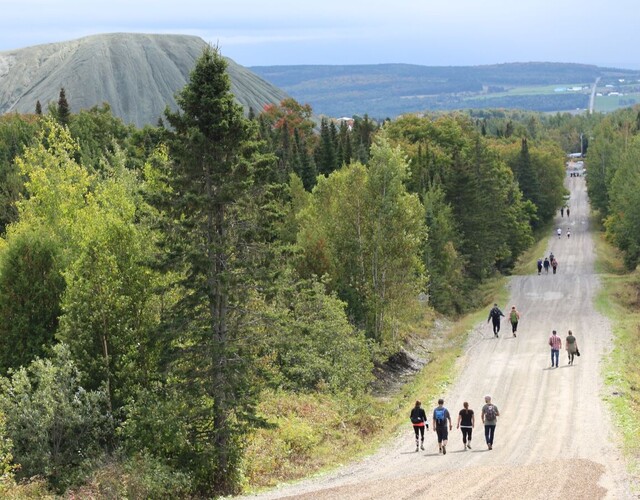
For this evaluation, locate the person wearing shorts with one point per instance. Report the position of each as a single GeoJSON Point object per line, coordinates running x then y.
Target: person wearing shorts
{"type": "Point", "coordinates": [466, 422]}
{"type": "Point", "coordinates": [440, 418]}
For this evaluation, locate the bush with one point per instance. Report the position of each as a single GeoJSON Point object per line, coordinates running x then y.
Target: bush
{"type": "Point", "coordinates": [58, 429]}
{"type": "Point", "coordinates": [141, 476]}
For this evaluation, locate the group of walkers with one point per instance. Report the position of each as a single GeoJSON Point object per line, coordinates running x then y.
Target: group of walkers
{"type": "Point", "coordinates": [441, 418]}
{"type": "Point", "coordinates": [441, 424]}
{"type": "Point", "coordinates": [571, 344]}
{"type": "Point", "coordinates": [562, 209]}
{"type": "Point", "coordinates": [546, 263]}
{"type": "Point", "coordinates": [559, 232]}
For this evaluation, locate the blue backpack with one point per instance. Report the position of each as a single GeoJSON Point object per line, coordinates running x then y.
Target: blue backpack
{"type": "Point", "coordinates": [441, 416]}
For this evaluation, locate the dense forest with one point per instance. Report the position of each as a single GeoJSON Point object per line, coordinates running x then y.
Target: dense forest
{"type": "Point", "coordinates": [171, 293]}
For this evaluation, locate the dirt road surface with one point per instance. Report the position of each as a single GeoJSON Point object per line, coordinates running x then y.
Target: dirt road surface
{"type": "Point", "coordinates": [555, 437]}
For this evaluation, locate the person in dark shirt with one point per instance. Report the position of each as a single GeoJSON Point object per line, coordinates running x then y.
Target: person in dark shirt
{"type": "Point", "coordinates": [419, 421]}
{"type": "Point", "coordinates": [466, 422]}
{"type": "Point", "coordinates": [494, 317]}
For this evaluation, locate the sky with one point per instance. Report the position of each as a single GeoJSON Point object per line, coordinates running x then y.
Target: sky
{"type": "Point", "coordinates": [283, 32]}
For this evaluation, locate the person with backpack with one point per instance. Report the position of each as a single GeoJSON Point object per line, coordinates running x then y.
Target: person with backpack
{"type": "Point", "coordinates": [494, 317]}
{"type": "Point", "coordinates": [490, 416]}
{"type": "Point", "coordinates": [419, 421]}
{"type": "Point", "coordinates": [514, 317]}
{"type": "Point", "coordinates": [440, 418]}
{"type": "Point", "coordinates": [466, 422]}
{"type": "Point", "coordinates": [546, 265]}
{"type": "Point", "coordinates": [539, 266]}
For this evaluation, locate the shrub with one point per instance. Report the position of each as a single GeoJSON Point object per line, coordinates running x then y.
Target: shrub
{"type": "Point", "coordinates": [57, 428]}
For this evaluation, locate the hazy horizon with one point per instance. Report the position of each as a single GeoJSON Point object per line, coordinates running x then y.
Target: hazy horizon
{"type": "Point", "coordinates": [288, 32]}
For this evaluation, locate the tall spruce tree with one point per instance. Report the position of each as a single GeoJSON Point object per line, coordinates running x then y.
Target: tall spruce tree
{"type": "Point", "coordinates": [64, 113]}
{"type": "Point", "coordinates": [211, 244]}
{"type": "Point", "coordinates": [38, 107]}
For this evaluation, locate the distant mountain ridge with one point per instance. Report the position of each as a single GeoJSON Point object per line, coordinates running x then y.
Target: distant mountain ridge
{"type": "Point", "coordinates": [137, 74]}
{"type": "Point", "coordinates": [388, 90]}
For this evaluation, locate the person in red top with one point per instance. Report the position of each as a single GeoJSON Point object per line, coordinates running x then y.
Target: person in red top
{"type": "Point", "coordinates": [419, 421]}
{"type": "Point", "coordinates": [556, 344]}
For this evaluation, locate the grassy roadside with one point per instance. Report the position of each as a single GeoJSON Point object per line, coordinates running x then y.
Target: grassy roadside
{"type": "Point", "coordinates": [317, 434]}
{"type": "Point", "coordinates": [619, 300]}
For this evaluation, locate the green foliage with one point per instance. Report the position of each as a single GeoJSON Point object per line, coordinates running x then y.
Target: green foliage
{"type": "Point", "coordinates": [325, 155]}
{"type": "Point", "coordinates": [98, 134]}
{"type": "Point", "coordinates": [57, 428]}
{"type": "Point", "coordinates": [623, 223]}
{"type": "Point", "coordinates": [442, 260]}
{"type": "Point", "coordinates": [491, 219]}
{"type": "Point", "coordinates": [108, 304]}
{"type": "Point", "coordinates": [63, 114]}
{"type": "Point", "coordinates": [603, 161]}
{"type": "Point", "coordinates": [366, 232]}
{"type": "Point", "coordinates": [308, 432]}
{"type": "Point", "coordinates": [101, 248]}
{"type": "Point", "coordinates": [311, 344]}
{"type": "Point", "coordinates": [214, 215]}
{"type": "Point", "coordinates": [7, 465]}
{"type": "Point", "coordinates": [16, 132]}
{"type": "Point", "coordinates": [31, 286]}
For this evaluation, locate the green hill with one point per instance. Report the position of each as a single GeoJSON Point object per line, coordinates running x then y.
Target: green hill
{"type": "Point", "coordinates": [388, 90]}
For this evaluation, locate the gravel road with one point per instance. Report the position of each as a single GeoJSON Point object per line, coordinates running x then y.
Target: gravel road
{"type": "Point", "coordinates": [555, 437]}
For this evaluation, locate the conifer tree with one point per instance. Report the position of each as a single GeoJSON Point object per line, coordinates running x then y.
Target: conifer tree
{"type": "Point", "coordinates": [64, 113]}
{"type": "Point", "coordinates": [38, 107]}
{"type": "Point", "coordinates": [212, 245]}
{"type": "Point", "coordinates": [325, 154]}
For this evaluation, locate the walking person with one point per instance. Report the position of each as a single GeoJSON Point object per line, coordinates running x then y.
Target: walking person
{"type": "Point", "coordinates": [568, 233]}
{"type": "Point", "coordinates": [554, 265]}
{"type": "Point", "coordinates": [561, 211]}
{"type": "Point", "coordinates": [556, 345]}
{"type": "Point", "coordinates": [514, 317]}
{"type": "Point", "coordinates": [466, 422]}
{"type": "Point", "coordinates": [490, 416]}
{"type": "Point", "coordinates": [546, 265]}
{"type": "Point", "coordinates": [440, 417]}
{"type": "Point", "coordinates": [539, 266]}
{"type": "Point", "coordinates": [571, 345]}
{"type": "Point", "coordinates": [568, 212]}
{"type": "Point", "coordinates": [559, 232]}
{"type": "Point", "coordinates": [419, 421]}
{"type": "Point", "coordinates": [494, 317]}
